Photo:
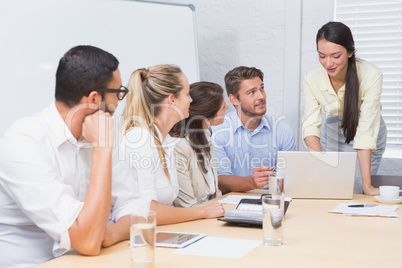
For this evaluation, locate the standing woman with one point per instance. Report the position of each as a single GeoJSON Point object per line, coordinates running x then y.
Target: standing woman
{"type": "Point", "coordinates": [198, 179]}
{"type": "Point", "coordinates": [344, 96]}
{"type": "Point", "coordinates": [158, 98]}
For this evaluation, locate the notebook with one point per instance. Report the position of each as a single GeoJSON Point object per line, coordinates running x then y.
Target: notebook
{"type": "Point", "coordinates": [249, 212]}
{"type": "Point", "coordinates": [323, 175]}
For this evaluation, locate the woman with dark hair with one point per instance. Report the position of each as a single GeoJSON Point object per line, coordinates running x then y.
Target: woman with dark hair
{"type": "Point", "coordinates": [198, 180]}
{"type": "Point", "coordinates": [344, 97]}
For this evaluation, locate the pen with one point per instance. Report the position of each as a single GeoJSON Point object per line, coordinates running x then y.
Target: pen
{"type": "Point", "coordinates": [362, 205]}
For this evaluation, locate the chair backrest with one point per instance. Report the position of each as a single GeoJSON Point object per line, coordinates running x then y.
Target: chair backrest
{"type": "Point", "coordinates": [378, 180]}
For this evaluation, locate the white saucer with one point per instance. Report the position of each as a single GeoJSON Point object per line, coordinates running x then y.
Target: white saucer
{"type": "Point", "coordinates": [388, 201]}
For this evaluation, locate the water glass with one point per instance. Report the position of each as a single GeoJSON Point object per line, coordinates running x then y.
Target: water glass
{"type": "Point", "coordinates": [142, 239]}
{"type": "Point", "coordinates": [276, 184]}
{"type": "Point", "coordinates": [272, 224]}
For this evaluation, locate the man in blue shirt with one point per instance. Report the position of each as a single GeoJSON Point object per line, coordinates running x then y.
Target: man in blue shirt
{"type": "Point", "coordinates": [246, 144]}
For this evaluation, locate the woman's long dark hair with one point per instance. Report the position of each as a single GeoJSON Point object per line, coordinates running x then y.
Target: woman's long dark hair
{"type": "Point", "coordinates": [339, 33]}
{"type": "Point", "coordinates": [207, 100]}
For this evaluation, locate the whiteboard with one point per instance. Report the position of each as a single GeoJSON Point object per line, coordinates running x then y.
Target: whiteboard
{"type": "Point", "coordinates": [36, 34]}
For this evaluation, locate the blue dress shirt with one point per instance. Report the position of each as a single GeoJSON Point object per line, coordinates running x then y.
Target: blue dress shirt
{"type": "Point", "coordinates": [238, 151]}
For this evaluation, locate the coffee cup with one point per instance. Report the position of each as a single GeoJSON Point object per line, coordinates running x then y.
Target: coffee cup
{"type": "Point", "coordinates": [389, 192]}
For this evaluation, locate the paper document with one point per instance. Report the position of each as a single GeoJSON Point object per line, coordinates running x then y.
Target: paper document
{"type": "Point", "coordinates": [220, 247]}
{"type": "Point", "coordinates": [235, 199]}
{"type": "Point", "coordinates": [380, 210]}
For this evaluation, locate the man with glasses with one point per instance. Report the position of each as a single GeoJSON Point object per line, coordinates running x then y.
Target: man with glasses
{"type": "Point", "coordinates": [120, 93]}
{"type": "Point", "coordinates": [56, 166]}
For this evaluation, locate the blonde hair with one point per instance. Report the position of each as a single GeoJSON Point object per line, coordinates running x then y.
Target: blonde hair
{"type": "Point", "coordinates": [148, 88]}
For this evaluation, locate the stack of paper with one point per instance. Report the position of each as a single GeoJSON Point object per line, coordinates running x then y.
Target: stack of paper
{"type": "Point", "coordinates": [380, 210]}
{"type": "Point", "coordinates": [249, 215]}
{"type": "Point", "coordinates": [249, 206]}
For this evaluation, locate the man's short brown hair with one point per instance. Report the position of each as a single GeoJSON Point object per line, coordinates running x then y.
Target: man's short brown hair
{"type": "Point", "coordinates": [234, 78]}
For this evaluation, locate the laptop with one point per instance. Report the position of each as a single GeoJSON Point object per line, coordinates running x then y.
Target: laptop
{"type": "Point", "coordinates": [322, 175]}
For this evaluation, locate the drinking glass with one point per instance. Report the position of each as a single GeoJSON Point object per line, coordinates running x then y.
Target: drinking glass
{"type": "Point", "coordinates": [142, 239]}
{"type": "Point", "coordinates": [276, 184]}
{"type": "Point", "coordinates": [272, 223]}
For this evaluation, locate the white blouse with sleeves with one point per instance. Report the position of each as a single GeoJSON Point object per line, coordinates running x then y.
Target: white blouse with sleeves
{"type": "Point", "coordinates": [138, 150]}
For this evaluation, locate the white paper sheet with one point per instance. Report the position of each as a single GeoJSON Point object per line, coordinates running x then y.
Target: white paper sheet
{"type": "Point", "coordinates": [235, 199]}
{"type": "Point", "coordinates": [380, 210]}
{"type": "Point", "coordinates": [220, 247]}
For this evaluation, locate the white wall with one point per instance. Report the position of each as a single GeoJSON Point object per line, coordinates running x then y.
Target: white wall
{"type": "Point", "coordinates": [31, 46]}
{"type": "Point", "coordinates": [238, 32]}
{"type": "Point", "coordinates": [253, 33]}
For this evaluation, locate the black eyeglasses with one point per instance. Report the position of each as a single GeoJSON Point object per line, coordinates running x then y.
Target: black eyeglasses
{"type": "Point", "coordinates": [121, 92]}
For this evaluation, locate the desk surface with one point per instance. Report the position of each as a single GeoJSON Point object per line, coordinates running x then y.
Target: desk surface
{"type": "Point", "coordinates": [313, 237]}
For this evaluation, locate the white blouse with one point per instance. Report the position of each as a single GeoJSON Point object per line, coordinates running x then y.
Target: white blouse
{"type": "Point", "coordinates": [138, 151]}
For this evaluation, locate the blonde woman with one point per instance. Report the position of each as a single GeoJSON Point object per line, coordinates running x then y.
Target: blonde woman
{"type": "Point", "coordinates": [158, 98]}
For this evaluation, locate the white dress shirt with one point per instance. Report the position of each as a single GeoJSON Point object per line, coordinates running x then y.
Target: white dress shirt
{"type": "Point", "coordinates": [138, 152]}
{"type": "Point", "coordinates": [44, 178]}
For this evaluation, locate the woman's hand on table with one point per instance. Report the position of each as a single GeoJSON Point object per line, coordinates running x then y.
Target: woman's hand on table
{"type": "Point", "coordinates": [370, 190]}
{"type": "Point", "coordinates": [213, 210]}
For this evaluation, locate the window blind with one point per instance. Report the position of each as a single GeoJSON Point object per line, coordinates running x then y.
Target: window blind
{"type": "Point", "coordinates": [377, 30]}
